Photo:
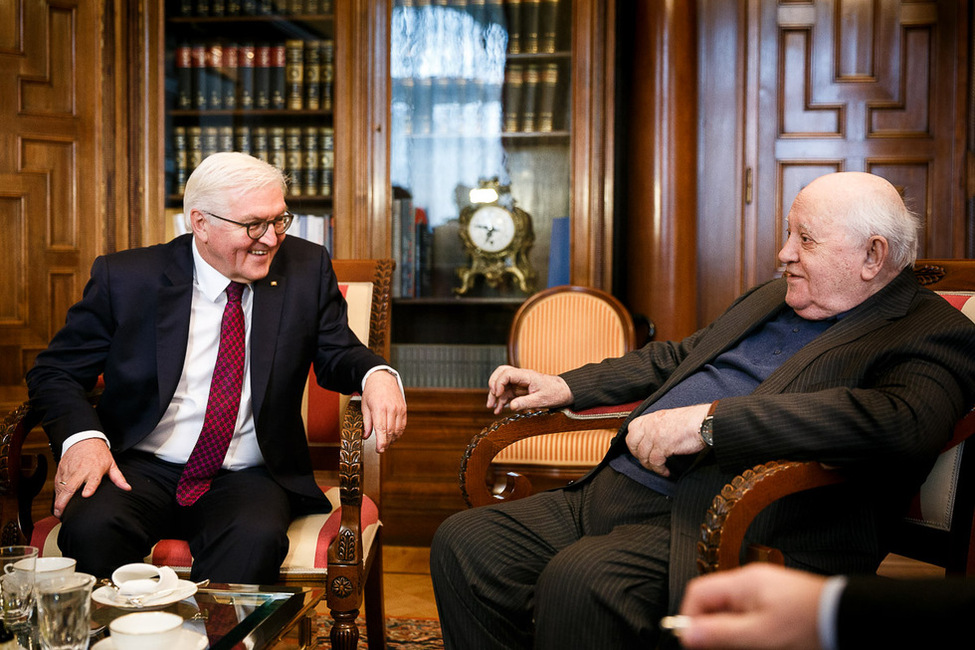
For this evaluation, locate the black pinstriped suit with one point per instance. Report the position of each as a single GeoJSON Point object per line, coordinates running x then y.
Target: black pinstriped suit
{"type": "Point", "coordinates": [879, 391]}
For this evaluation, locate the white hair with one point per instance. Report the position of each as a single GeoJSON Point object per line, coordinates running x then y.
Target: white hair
{"type": "Point", "coordinates": [208, 186]}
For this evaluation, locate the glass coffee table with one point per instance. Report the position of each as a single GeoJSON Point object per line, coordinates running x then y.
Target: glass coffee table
{"type": "Point", "coordinates": [221, 617]}
{"type": "Point", "coordinates": [234, 616]}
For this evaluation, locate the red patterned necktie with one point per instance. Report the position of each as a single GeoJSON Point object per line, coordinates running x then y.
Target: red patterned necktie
{"type": "Point", "coordinates": [222, 405]}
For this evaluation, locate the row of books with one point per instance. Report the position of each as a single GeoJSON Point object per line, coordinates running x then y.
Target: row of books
{"type": "Point", "coordinates": [529, 98]}
{"type": "Point", "coordinates": [318, 228]}
{"type": "Point", "coordinates": [533, 26]}
{"type": "Point", "coordinates": [446, 366]}
{"type": "Point", "coordinates": [306, 154]}
{"type": "Point", "coordinates": [412, 242]}
{"type": "Point", "coordinates": [189, 8]}
{"type": "Point", "coordinates": [294, 74]}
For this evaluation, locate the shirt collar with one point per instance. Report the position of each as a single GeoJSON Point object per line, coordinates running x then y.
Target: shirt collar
{"type": "Point", "coordinates": [211, 283]}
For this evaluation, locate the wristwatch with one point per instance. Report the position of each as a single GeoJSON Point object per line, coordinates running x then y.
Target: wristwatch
{"type": "Point", "coordinates": [707, 427]}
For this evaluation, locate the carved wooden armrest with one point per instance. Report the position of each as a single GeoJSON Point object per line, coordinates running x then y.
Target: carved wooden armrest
{"type": "Point", "coordinates": [22, 476]}
{"type": "Point", "coordinates": [492, 439]}
{"type": "Point", "coordinates": [734, 509]}
{"type": "Point", "coordinates": [345, 556]}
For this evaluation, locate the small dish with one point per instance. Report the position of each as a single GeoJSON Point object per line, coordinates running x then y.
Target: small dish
{"type": "Point", "coordinates": [106, 595]}
{"type": "Point", "coordinates": [189, 640]}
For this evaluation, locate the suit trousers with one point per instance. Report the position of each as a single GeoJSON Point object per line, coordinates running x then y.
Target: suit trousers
{"type": "Point", "coordinates": [237, 531]}
{"type": "Point", "coordinates": [579, 567]}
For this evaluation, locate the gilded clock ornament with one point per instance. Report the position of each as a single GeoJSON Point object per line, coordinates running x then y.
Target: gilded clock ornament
{"type": "Point", "coordinates": [497, 238]}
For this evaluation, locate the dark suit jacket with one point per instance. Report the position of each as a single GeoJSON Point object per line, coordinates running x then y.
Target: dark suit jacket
{"type": "Point", "coordinates": [884, 613]}
{"type": "Point", "coordinates": [132, 324]}
{"type": "Point", "coordinates": [879, 392]}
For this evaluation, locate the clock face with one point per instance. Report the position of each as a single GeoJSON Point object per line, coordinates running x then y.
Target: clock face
{"type": "Point", "coordinates": [491, 228]}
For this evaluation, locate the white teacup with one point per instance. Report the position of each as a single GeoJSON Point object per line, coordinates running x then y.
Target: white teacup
{"type": "Point", "coordinates": [49, 567]}
{"type": "Point", "coordinates": [146, 631]}
{"type": "Point", "coordinates": [140, 579]}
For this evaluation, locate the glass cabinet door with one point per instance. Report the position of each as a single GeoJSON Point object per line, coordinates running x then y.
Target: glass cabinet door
{"type": "Point", "coordinates": [480, 168]}
{"type": "Point", "coordinates": [480, 94]}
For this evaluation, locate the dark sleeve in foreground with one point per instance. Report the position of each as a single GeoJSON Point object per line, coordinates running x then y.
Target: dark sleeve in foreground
{"type": "Point", "coordinates": [879, 612]}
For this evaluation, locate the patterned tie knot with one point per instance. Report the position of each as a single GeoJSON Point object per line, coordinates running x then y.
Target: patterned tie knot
{"type": "Point", "coordinates": [234, 291]}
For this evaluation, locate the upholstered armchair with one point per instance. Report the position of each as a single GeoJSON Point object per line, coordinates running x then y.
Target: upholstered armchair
{"type": "Point", "coordinates": [553, 331]}
{"type": "Point", "coordinates": [340, 551]}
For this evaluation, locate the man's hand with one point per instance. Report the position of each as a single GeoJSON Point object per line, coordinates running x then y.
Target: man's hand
{"type": "Point", "coordinates": [383, 409]}
{"type": "Point", "coordinates": [758, 606]}
{"type": "Point", "coordinates": [84, 464]}
{"type": "Point", "coordinates": [655, 437]}
{"type": "Point", "coordinates": [523, 389]}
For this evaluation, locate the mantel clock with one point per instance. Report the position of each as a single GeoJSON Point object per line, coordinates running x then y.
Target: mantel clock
{"type": "Point", "coordinates": [497, 237]}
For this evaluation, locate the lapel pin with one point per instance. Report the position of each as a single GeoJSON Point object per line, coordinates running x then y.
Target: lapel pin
{"type": "Point", "coordinates": [274, 283]}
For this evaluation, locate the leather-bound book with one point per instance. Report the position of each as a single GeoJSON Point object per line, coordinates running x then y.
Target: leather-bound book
{"type": "Point", "coordinates": [514, 81]}
{"type": "Point", "coordinates": [262, 76]}
{"type": "Point", "coordinates": [228, 76]}
{"type": "Point", "coordinates": [184, 77]}
{"type": "Point", "coordinates": [548, 85]}
{"type": "Point", "coordinates": [277, 76]}
{"type": "Point", "coordinates": [294, 73]}
{"type": "Point", "coordinates": [245, 74]}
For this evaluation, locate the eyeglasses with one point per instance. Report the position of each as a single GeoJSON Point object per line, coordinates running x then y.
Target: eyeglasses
{"type": "Point", "coordinates": [256, 229]}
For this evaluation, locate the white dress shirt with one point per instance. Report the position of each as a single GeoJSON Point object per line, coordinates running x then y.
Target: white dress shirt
{"type": "Point", "coordinates": [176, 434]}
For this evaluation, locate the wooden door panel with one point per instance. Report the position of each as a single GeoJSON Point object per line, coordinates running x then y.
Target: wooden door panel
{"type": "Point", "coordinates": [52, 186]}
{"type": "Point", "coordinates": [834, 85]}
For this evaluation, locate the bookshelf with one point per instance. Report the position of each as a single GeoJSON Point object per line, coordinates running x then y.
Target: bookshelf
{"type": "Point", "coordinates": [256, 76]}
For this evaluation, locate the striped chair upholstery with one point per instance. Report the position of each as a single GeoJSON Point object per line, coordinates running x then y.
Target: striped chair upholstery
{"type": "Point", "coordinates": [556, 330]}
{"type": "Point", "coordinates": [346, 468]}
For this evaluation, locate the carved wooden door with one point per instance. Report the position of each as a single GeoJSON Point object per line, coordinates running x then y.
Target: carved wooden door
{"type": "Point", "coordinates": [53, 183]}
{"type": "Point", "coordinates": [843, 85]}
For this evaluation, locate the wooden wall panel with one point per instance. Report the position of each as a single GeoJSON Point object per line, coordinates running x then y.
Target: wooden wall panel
{"type": "Point", "coordinates": [52, 182]}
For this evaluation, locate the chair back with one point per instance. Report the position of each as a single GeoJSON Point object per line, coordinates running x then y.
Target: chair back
{"type": "Point", "coordinates": [568, 326]}
{"type": "Point", "coordinates": [556, 330]}
{"type": "Point", "coordinates": [939, 526]}
{"type": "Point", "coordinates": [366, 286]}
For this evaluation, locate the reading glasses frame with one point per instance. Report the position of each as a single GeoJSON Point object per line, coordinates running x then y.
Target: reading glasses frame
{"type": "Point", "coordinates": [256, 229]}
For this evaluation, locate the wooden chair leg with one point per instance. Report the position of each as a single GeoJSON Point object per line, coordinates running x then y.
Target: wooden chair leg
{"type": "Point", "coordinates": [374, 600]}
{"type": "Point", "coordinates": [345, 633]}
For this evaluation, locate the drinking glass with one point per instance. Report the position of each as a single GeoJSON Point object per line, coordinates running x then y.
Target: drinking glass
{"type": "Point", "coordinates": [17, 584]}
{"type": "Point", "coordinates": [64, 611]}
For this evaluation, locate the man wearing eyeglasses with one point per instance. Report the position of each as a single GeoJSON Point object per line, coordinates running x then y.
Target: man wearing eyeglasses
{"type": "Point", "coordinates": [207, 337]}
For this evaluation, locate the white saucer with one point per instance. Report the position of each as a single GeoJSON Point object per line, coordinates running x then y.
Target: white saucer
{"type": "Point", "coordinates": [106, 595]}
{"type": "Point", "coordinates": [189, 640]}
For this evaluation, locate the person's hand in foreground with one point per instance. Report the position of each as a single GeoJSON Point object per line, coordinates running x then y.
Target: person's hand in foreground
{"type": "Point", "coordinates": [757, 606]}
